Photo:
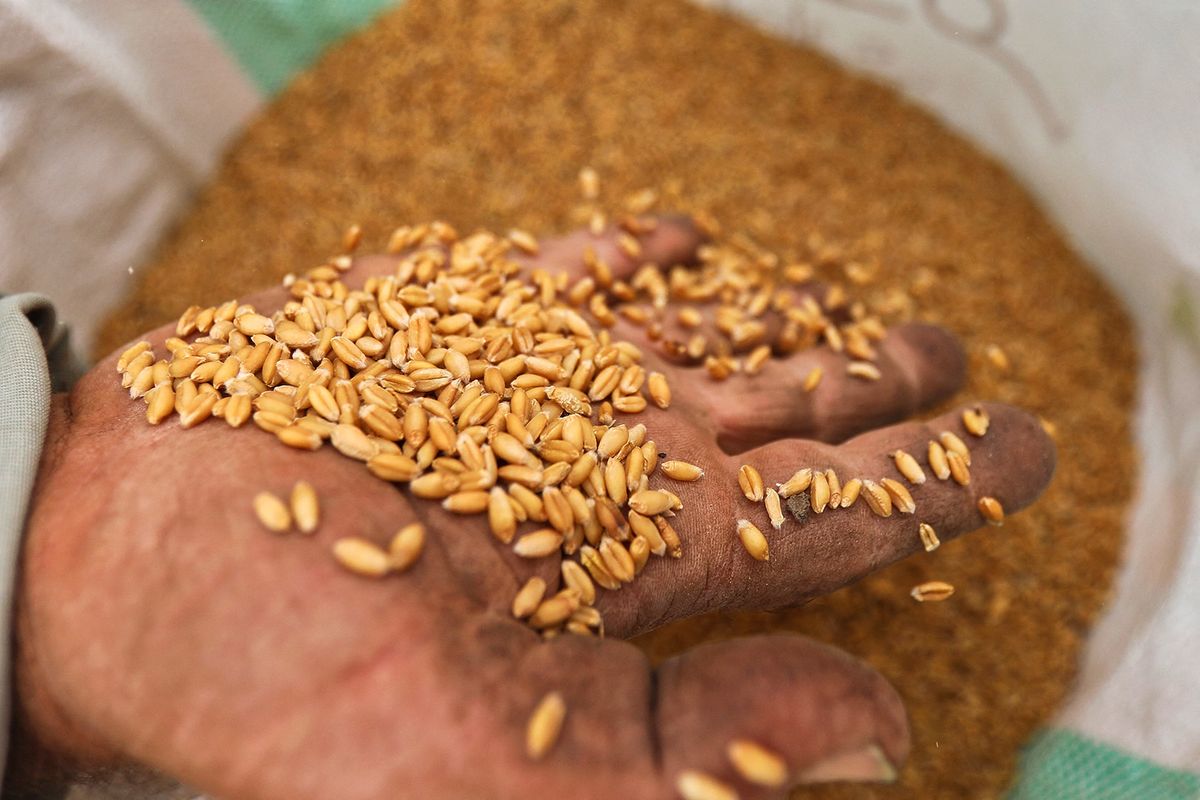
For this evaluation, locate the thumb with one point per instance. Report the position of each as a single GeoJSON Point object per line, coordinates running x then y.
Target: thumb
{"type": "Point", "coordinates": [745, 718]}
{"type": "Point", "coordinates": [725, 709]}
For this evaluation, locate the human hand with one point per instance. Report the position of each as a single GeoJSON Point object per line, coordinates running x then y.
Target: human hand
{"type": "Point", "coordinates": [160, 625]}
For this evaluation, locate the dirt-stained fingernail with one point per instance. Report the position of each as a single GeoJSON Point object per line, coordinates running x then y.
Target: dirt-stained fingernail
{"type": "Point", "coordinates": [865, 764]}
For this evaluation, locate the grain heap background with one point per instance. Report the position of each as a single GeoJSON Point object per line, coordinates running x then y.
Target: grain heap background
{"type": "Point", "coordinates": [482, 113]}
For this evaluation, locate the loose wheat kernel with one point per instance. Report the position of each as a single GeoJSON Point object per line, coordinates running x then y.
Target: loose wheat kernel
{"type": "Point", "coordinates": [305, 507]}
{"type": "Point", "coordinates": [545, 725]}
{"type": "Point", "coordinates": [660, 390]}
{"type": "Point", "coordinates": [753, 540]}
{"type": "Point", "coordinates": [751, 483]}
{"type": "Point", "coordinates": [813, 379]}
{"type": "Point", "coordinates": [695, 785]}
{"type": "Point", "coordinates": [976, 421]}
{"type": "Point", "coordinates": [524, 241]}
{"type": "Point", "coordinates": [908, 467]}
{"type": "Point", "coordinates": [272, 512]}
{"type": "Point", "coordinates": [652, 501]}
{"type": "Point", "coordinates": [902, 500]}
{"type": "Point", "coordinates": [958, 468]}
{"type": "Point", "coordinates": [863, 369]}
{"type": "Point", "coordinates": [589, 183]}
{"type": "Point", "coordinates": [406, 546]}
{"type": "Point", "coordinates": [538, 544]}
{"type": "Point", "coordinates": [362, 557]}
{"type": "Point", "coordinates": [953, 444]}
{"type": "Point", "coordinates": [756, 763]}
{"type": "Point", "coordinates": [929, 537]}
{"type": "Point", "coordinates": [991, 510]}
{"type": "Point", "coordinates": [932, 592]}
{"type": "Point", "coordinates": [819, 493]}
{"type": "Point", "coordinates": [681, 470]}
{"type": "Point", "coordinates": [998, 357]}
{"type": "Point", "coordinates": [799, 481]}
{"type": "Point", "coordinates": [937, 461]}
{"type": "Point", "coordinates": [774, 506]}
{"type": "Point", "coordinates": [757, 359]}
{"type": "Point", "coordinates": [529, 597]}
{"type": "Point", "coordinates": [851, 491]}
{"type": "Point", "coordinates": [877, 497]}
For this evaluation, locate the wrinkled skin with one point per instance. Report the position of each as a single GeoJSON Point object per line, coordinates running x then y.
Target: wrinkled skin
{"type": "Point", "coordinates": [160, 625]}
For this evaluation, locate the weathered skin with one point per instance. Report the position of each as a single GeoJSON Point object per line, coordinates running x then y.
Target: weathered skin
{"type": "Point", "coordinates": [161, 626]}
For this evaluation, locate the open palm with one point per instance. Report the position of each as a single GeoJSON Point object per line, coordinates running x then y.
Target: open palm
{"type": "Point", "coordinates": [161, 625]}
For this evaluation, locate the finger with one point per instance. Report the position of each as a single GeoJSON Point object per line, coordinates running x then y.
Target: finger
{"type": "Point", "coordinates": [1012, 463]}
{"type": "Point", "coordinates": [918, 366]}
{"type": "Point", "coordinates": [630, 730]}
{"type": "Point", "coordinates": [673, 240]}
{"type": "Point", "coordinates": [826, 715]}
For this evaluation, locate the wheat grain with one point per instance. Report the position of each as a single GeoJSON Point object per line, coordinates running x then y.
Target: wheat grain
{"type": "Point", "coordinates": [751, 483]}
{"type": "Point", "coordinates": [812, 379]}
{"type": "Point", "coordinates": [976, 420]}
{"type": "Point", "coordinates": [835, 487]}
{"type": "Point", "coordinates": [929, 537]}
{"type": "Point", "coordinates": [467, 502]}
{"type": "Point", "coordinates": [902, 500]}
{"type": "Point", "coordinates": [819, 493]}
{"type": "Point", "coordinates": [272, 512]}
{"type": "Point", "coordinates": [991, 510]}
{"type": "Point", "coordinates": [553, 611]}
{"type": "Point", "coordinates": [682, 470]}
{"type": "Point", "coordinates": [576, 577]}
{"type": "Point", "coordinates": [695, 785]}
{"type": "Point", "coordinates": [362, 557]}
{"type": "Point", "coordinates": [937, 460]}
{"type": "Point", "coordinates": [305, 507]}
{"type": "Point", "coordinates": [953, 444]}
{"type": "Point", "coordinates": [756, 763]}
{"type": "Point", "coordinates": [932, 592]}
{"type": "Point", "coordinates": [877, 497]}
{"type": "Point", "coordinates": [908, 467]}
{"type": "Point", "coordinates": [538, 544]}
{"type": "Point", "coordinates": [545, 725]}
{"type": "Point", "coordinates": [958, 468]}
{"type": "Point", "coordinates": [406, 546]}
{"type": "Point", "coordinates": [529, 597]}
{"type": "Point", "coordinates": [997, 357]}
{"type": "Point", "coordinates": [753, 540]}
{"type": "Point", "coordinates": [774, 508]}
{"type": "Point", "coordinates": [864, 370]}
{"type": "Point", "coordinates": [299, 437]}
{"type": "Point", "coordinates": [652, 501]}
{"type": "Point", "coordinates": [799, 482]}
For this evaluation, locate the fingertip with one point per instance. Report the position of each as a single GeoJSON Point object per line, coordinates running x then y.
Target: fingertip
{"type": "Point", "coordinates": [1020, 446]}
{"type": "Point", "coordinates": [932, 356]}
{"type": "Point", "coordinates": [674, 240]}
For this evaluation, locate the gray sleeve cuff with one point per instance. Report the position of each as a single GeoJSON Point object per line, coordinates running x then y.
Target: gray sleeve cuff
{"type": "Point", "coordinates": [32, 346]}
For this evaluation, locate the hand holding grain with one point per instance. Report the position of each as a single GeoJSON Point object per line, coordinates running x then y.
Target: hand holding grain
{"type": "Point", "coordinates": [161, 624]}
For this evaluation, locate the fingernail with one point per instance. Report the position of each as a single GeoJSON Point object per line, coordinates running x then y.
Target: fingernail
{"type": "Point", "coordinates": [866, 764]}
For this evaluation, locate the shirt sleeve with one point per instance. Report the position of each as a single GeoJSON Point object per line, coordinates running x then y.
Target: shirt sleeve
{"type": "Point", "coordinates": [35, 352]}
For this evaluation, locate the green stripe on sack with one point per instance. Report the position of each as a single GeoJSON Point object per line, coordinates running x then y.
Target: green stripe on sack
{"type": "Point", "coordinates": [1062, 765]}
{"type": "Point", "coordinates": [275, 39]}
